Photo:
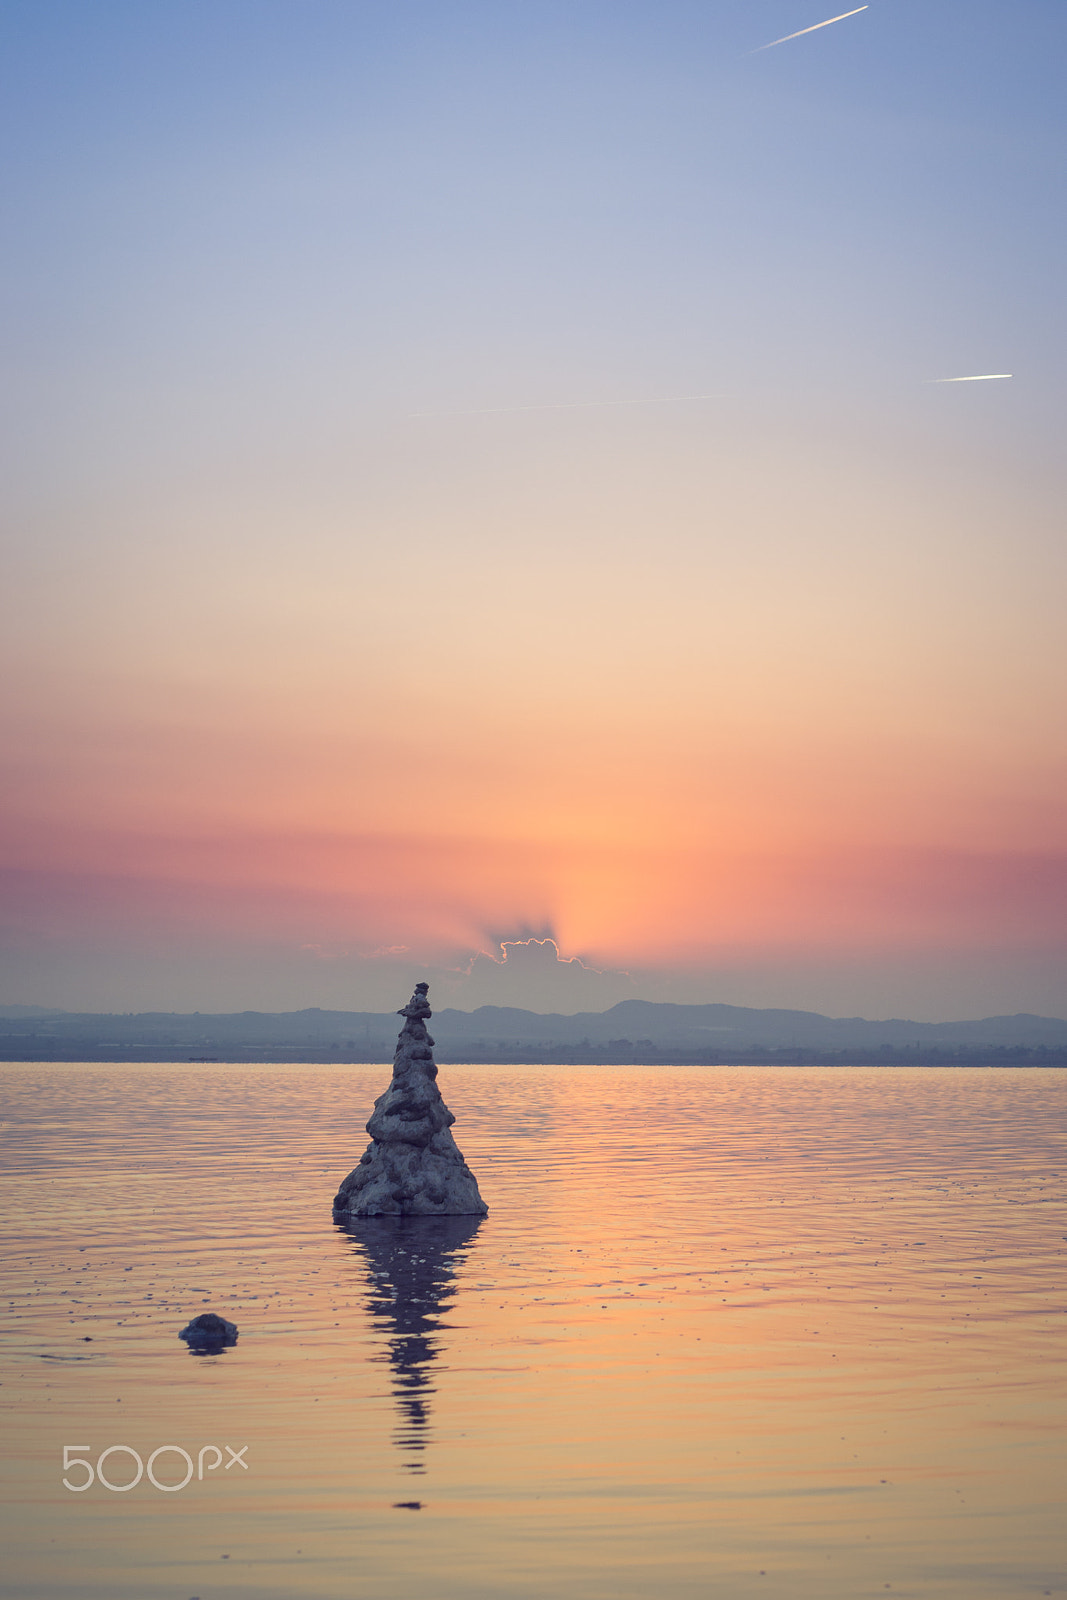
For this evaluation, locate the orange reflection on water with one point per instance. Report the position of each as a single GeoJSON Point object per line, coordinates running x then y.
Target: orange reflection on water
{"type": "Point", "coordinates": [768, 1331]}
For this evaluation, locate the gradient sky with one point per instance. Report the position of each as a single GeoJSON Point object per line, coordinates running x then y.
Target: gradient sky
{"type": "Point", "coordinates": [373, 591]}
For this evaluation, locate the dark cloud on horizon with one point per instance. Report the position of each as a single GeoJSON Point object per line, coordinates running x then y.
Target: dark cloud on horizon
{"type": "Point", "coordinates": [532, 973]}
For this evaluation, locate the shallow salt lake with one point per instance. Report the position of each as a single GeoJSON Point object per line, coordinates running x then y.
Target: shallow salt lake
{"type": "Point", "coordinates": [726, 1332]}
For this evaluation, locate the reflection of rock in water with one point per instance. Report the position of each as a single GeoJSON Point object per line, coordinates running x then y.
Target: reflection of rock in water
{"type": "Point", "coordinates": [411, 1264]}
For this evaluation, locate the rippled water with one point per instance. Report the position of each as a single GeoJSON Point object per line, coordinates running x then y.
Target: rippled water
{"type": "Point", "coordinates": [726, 1332]}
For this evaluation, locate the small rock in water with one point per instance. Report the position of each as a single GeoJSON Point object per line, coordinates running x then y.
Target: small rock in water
{"type": "Point", "coordinates": [209, 1332]}
{"type": "Point", "coordinates": [412, 1166]}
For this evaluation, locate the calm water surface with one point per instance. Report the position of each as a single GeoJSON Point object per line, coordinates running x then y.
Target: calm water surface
{"type": "Point", "coordinates": [726, 1332]}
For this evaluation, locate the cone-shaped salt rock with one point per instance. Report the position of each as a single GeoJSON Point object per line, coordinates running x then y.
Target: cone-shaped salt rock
{"type": "Point", "coordinates": [412, 1166]}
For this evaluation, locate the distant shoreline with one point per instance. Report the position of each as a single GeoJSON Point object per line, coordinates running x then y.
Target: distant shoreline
{"type": "Point", "coordinates": [13, 1052]}
{"type": "Point", "coordinates": [631, 1033]}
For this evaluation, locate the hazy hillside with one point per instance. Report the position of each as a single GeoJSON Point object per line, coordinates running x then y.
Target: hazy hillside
{"type": "Point", "coordinates": [630, 1031]}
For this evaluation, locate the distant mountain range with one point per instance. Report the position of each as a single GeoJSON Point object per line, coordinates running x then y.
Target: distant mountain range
{"type": "Point", "coordinates": [632, 1031]}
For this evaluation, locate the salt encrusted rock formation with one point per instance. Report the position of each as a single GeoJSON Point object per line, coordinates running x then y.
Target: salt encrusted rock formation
{"type": "Point", "coordinates": [209, 1332]}
{"type": "Point", "coordinates": [412, 1166]}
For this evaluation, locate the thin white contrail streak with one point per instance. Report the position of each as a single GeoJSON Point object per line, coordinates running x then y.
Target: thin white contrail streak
{"type": "Point", "coordinates": [975, 377]}
{"type": "Point", "coordinates": [568, 405]}
{"type": "Point", "coordinates": [813, 29]}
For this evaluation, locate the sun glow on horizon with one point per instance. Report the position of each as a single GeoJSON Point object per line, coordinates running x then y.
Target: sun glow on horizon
{"type": "Point", "coordinates": [765, 669]}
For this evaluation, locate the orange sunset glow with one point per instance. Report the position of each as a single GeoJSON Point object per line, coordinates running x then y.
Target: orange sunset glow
{"type": "Point", "coordinates": [532, 550]}
{"type": "Point", "coordinates": [761, 686]}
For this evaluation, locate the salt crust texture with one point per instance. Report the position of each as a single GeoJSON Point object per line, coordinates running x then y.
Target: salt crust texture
{"type": "Point", "coordinates": [412, 1166]}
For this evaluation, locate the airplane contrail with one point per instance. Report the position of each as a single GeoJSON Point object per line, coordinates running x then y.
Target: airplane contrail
{"type": "Point", "coordinates": [568, 405]}
{"type": "Point", "coordinates": [813, 29]}
{"type": "Point", "coordinates": [975, 377]}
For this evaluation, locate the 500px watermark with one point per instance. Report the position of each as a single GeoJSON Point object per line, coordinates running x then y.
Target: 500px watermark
{"type": "Point", "coordinates": [97, 1474]}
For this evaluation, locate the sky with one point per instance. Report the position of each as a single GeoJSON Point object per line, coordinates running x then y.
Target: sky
{"type": "Point", "coordinates": [476, 473]}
